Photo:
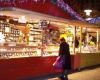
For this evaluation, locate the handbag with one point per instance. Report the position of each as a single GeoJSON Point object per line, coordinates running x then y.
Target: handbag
{"type": "Point", "coordinates": [58, 64]}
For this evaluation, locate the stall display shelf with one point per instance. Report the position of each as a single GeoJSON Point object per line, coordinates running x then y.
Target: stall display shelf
{"type": "Point", "coordinates": [7, 52]}
{"type": "Point", "coordinates": [51, 53]}
{"type": "Point", "coordinates": [35, 34]}
{"type": "Point", "coordinates": [37, 30]}
{"type": "Point", "coordinates": [19, 54]}
{"type": "Point", "coordinates": [9, 32]}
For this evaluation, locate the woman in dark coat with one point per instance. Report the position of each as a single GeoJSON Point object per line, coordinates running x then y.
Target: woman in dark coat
{"type": "Point", "coordinates": [65, 53]}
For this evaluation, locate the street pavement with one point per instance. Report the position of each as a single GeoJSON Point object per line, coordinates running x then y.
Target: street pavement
{"type": "Point", "coordinates": [83, 74]}
{"type": "Point", "coordinates": [86, 74]}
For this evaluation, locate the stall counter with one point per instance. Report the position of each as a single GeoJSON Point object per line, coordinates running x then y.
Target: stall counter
{"type": "Point", "coordinates": [89, 59]}
{"type": "Point", "coordinates": [23, 68]}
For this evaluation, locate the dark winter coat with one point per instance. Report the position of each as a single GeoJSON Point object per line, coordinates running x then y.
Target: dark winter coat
{"type": "Point", "coordinates": [64, 52]}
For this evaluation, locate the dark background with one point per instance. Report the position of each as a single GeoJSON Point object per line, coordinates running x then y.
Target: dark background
{"type": "Point", "coordinates": [85, 4]}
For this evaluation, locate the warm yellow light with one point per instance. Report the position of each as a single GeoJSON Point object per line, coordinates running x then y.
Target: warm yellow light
{"type": "Point", "coordinates": [1, 38]}
{"type": "Point", "coordinates": [63, 36]}
{"type": "Point", "coordinates": [22, 19]}
{"type": "Point", "coordinates": [88, 19]}
{"type": "Point", "coordinates": [31, 38]}
{"type": "Point", "coordinates": [7, 29]}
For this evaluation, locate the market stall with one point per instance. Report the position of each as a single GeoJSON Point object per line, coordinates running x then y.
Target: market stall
{"type": "Point", "coordinates": [38, 42]}
{"type": "Point", "coordinates": [31, 44]}
{"type": "Point", "coordinates": [29, 48]}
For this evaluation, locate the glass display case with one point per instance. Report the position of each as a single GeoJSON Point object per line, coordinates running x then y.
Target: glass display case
{"type": "Point", "coordinates": [87, 39]}
{"type": "Point", "coordinates": [35, 34]}
{"type": "Point", "coordinates": [10, 33]}
{"type": "Point", "coordinates": [89, 45]}
{"type": "Point", "coordinates": [15, 41]}
{"type": "Point", "coordinates": [43, 41]}
{"type": "Point", "coordinates": [51, 42]}
{"type": "Point", "coordinates": [51, 50]}
{"type": "Point", "coordinates": [20, 51]}
{"type": "Point", "coordinates": [52, 38]}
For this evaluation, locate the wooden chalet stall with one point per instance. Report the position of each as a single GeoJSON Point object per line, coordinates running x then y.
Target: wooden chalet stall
{"type": "Point", "coordinates": [89, 42]}
{"type": "Point", "coordinates": [29, 49]}
{"type": "Point", "coordinates": [88, 36]}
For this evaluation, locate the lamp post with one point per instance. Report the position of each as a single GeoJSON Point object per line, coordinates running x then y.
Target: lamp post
{"type": "Point", "coordinates": [88, 12]}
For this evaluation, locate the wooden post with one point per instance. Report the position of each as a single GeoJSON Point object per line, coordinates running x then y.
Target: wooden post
{"type": "Point", "coordinates": [74, 40]}
{"type": "Point", "coordinates": [42, 50]}
{"type": "Point", "coordinates": [97, 40]}
{"type": "Point", "coordinates": [80, 39]}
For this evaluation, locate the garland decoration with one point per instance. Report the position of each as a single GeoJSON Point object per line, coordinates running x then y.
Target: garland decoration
{"type": "Point", "coordinates": [68, 9]}
{"type": "Point", "coordinates": [94, 20]}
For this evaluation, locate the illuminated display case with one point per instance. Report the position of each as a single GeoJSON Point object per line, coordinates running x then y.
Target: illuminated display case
{"type": "Point", "coordinates": [11, 34]}
{"type": "Point", "coordinates": [14, 34]}
{"type": "Point", "coordinates": [51, 50]}
{"type": "Point", "coordinates": [19, 51]}
{"type": "Point", "coordinates": [89, 41]}
{"type": "Point", "coordinates": [46, 42]}
{"type": "Point", "coordinates": [14, 45]}
{"type": "Point", "coordinates": [51, 42]}
{"type": "Point", "coordinates": [39, 41]}
{"type": "Point", "coordinates": [35, 35]}
{"type": "Point", "coordinates": [4, 28]}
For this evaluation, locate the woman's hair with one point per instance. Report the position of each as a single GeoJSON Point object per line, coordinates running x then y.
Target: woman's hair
{"type": "Point", "coordinates": [62, 39]}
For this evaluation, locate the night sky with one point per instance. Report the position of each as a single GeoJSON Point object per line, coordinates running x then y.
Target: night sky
{"type": "Point", "coordinates": [94, 4]}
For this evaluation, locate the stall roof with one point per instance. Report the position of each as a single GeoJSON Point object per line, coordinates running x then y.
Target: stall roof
{"type": "Point", "coordinates": [40, 6]}
{"type": "Point", "coordinates": [84, 24]}
{"type": "Point", "coordinates": [95, 20]}
{"type": "Point", "coordinates": [76, 23]}
{"type": "Point", "coordinates": [35, 16]}
{"type": "Point", "coordinates": [52, 7]}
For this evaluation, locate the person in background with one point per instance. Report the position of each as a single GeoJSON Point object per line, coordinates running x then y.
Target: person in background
{"type": "Point", "coordinates": [65, 53]}
{"type": "Point", "coordinates": [76, 42]}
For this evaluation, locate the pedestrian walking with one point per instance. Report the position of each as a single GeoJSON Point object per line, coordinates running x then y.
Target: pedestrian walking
{"type": "Point", "coordinates": [65, 53]}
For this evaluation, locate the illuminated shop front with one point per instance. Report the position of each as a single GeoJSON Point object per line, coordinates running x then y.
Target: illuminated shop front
{"type": "Point", "coordinates": [30, 41]}
{"type": "Point", "coordinates": [42, 38]}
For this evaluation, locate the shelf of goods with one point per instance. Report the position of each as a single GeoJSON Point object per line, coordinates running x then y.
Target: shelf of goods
{"type": "Point", "coordinates": [19, 52]}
